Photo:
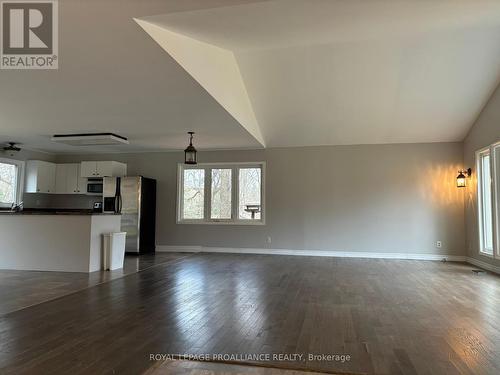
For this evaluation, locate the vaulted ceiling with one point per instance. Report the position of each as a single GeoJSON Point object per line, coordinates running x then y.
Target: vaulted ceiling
{"type": "Point", "coordinates": [252, 74]}
{"type": "Point", "coordinates": [323, 72]}
{"type": "Point", "coordinates": [113, 77]}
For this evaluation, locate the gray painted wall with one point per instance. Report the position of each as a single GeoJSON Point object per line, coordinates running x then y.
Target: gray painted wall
{"type": "Point", "coordinates": [485, 131]}
{"type": "Point", "coordinates": [371, 198]}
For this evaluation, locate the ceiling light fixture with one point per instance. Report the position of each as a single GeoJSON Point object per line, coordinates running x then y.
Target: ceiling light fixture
{"type": "Point", "coordinates": [90, 139]}
{"type": "Point", "coordinates": [190, 151]}
{"type": "Point", "coordinates": [462, 177]}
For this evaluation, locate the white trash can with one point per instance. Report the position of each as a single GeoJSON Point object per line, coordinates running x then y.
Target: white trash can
{"type": "Point", "coordinates": [113, 246]}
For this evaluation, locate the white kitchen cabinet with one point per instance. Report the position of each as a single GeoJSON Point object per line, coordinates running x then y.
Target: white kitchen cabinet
{"type": "Point", "coordinates": [94, 169]}
{"type": "Point", "coordinates": [88, 168]}
{"type": "Point", "coordinates": [61, 178]}
{"type": "Point", "coordinates": [40, 177]}
{"type": "Point", "coordinates": [81, 182]}
{"type": "Point", "coordinates": [69, 179]}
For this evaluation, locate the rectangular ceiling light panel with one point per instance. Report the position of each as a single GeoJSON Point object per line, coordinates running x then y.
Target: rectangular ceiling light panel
{"type": "Point", "coordinates": [91, 139]}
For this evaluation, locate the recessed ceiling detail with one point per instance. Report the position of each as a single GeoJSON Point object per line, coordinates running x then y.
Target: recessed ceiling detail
{"type": "Point", "coordinates": [302, 73]}
{"type": "Point", "coordinates": [116, 79]}
{"type": "Point", "coordinates": [248, 73]}
{"type": "Point", "coordinates": [215, 69]}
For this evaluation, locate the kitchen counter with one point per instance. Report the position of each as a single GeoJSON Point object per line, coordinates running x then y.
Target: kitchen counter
{"type": "Point", "coordinates": [67, 241]}
{"type": "Point", "coordinates": [54, 212]}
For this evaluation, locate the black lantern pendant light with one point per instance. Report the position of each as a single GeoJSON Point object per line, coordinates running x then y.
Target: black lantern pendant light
{"type": "Point", "coordinates": [190, 151]}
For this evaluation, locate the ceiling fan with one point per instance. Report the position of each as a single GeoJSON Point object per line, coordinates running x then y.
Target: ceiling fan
{"type": "Point", "coordinates": [12, 147]}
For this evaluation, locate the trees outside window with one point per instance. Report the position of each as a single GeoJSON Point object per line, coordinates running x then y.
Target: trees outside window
{"type": "Point", "coordinates": [221, 193]}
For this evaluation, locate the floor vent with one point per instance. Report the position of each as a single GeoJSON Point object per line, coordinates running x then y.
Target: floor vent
{"type": "Point", "coordinates": [478, 272]}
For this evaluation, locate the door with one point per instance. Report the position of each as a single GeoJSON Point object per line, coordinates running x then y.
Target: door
{"type": "Point", "coordinates": [88, 168]}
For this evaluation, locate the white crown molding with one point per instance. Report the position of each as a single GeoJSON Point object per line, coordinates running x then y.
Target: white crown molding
{"type": "Point", "coordinates": [321, 253]}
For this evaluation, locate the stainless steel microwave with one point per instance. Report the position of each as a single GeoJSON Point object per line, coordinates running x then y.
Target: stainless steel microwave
{"type": "Point", "coordinates": [94, 186]}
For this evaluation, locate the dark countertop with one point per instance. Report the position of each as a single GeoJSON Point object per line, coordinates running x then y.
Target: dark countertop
{"type": "Point", "coordinates": [54, 211]}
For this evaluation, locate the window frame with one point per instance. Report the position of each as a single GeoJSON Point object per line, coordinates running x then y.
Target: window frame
{"type": "Point", "coordinates": [19, 181]}
{"type": "Point", "coordinates": [235, 167]}
{"type": "Point", "coordinates": [494, 183]}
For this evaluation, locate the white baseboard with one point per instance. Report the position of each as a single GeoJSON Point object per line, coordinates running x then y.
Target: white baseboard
{"type": "Point", "coordinates": [481, 264]}
{"type": "Point", "coordinates": [321, 253]}
{"type": "Point", "coordinates": [178, 249]}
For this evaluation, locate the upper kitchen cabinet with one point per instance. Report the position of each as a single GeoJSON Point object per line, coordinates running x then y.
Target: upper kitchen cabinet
{"type": "Point", "coordinates": [40, 176]}
{"type": "Point", "coordinates": [69, 179]}
{"type": "Point", "coordinates": [91, 169]}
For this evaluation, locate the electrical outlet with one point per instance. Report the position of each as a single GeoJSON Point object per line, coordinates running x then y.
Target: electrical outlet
{"type": "Point", "coordinates": [269, 239]}
{"type": "Point", "coordinates": [439, 244]}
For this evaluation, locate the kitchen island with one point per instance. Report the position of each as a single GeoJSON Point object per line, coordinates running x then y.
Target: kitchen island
{"type": "Point", "coordinates": [68, 241]}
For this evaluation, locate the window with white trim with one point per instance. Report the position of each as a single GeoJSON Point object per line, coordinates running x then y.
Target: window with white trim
{"type": "Point", "coordinates": [11, 182]}
{"type": "Point", "coordinates": [229, 193]}
{"type": "Point", "coordinates": [488, 190]}
{"type": "Point", "coordinates": [485, 202]}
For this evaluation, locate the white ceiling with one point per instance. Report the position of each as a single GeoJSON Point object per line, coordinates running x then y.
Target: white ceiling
{"type": "Point", "coordinates": [248, 73]}
{"type": "Point", "coordinates": [322, 72]}
{"type": "Point", "coordinates": [112, 77]}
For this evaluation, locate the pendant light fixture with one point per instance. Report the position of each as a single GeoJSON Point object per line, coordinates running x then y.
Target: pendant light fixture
{"type": "Point", "coordinates": [190, 151]}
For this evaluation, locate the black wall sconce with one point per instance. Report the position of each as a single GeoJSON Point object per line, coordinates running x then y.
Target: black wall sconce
{"type": "Point", "coordinates": [190, 151]}
{"type": "Point", "coordinates": [462, 177]}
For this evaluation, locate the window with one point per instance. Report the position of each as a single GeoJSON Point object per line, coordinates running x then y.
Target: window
{"type": "Point", "coordinates": [221, 193]}
{"type": "Point", "coordinates": [488, 189]}
{"type": "Point", "coordinates": [194, 193]}
{"type": "Point", "coordinates": [11, 182]}
{"type": "Point", "coordinates": [485, 202]}
{"type": "Point", "coordinates": [249, 194]}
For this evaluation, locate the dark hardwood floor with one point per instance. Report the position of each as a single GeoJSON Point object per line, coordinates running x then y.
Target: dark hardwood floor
{"type": "Point", "coordinates": [21, 289]}
{"type": "Point", "coordinates": [180, 367]}
{"type": "Point", "coordinates": [389, 316]}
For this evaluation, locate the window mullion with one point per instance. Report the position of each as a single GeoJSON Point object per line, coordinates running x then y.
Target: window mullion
{"type": "Point", "coordinates": [180, 193]}
{"type": "Point", "coordinates": [208, 195]}
{"type": "Point", "coordinates": [234, 194]}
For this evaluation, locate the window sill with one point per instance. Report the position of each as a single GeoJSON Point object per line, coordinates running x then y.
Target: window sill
{"type": "Point", "coordinates": [486, 254]}
{"type": "Point", "coordinates": [203, 222]}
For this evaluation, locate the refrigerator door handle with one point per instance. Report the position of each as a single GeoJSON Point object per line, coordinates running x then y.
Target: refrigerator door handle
{"type": "Point", "coordinates": [118, 204]}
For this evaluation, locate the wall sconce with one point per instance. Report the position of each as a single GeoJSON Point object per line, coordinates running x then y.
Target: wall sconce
{"type": "Point", "coordinates": [462, 177]}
